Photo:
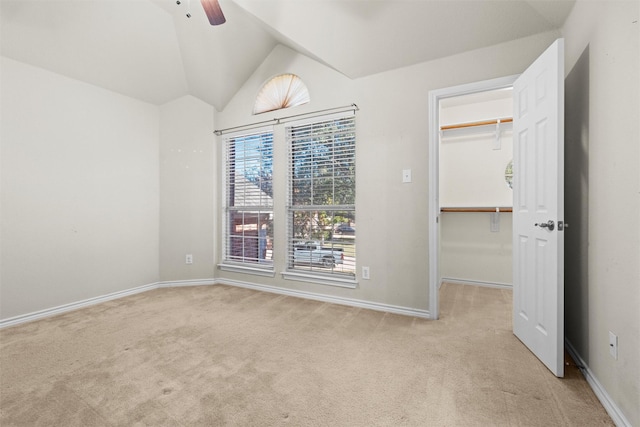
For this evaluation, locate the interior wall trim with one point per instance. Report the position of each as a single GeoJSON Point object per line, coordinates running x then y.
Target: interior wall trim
{"type": "Point", "coordinates": [476, 283]}
{"type": "Point", "coordinates": [395, 309]}
{"type": "Point", "coordinates": [609, 404]}
{"type": "Point", "coordinates": [191, 282]}
{"type": "Point", "coordinates": [434, 165]}
{"type": "Point", "coordinates": [29, 317]}
{"type": "Point", "coordinates": [48, 312]}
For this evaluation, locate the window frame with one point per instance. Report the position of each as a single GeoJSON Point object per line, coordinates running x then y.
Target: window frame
{"type": "Point", "coordinates": [245, 264]}
{"type": "Point", "coordinates": [335, 276]}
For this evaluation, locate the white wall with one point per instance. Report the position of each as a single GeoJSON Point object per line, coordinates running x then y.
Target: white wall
{"type": "Point", "coordinates": [79, 169]}
{"type": "Point", "coordinates": [186, 189]}
{"type": "Point", "coordinates": [392, 131]}
{"type": "Point", "coordinates": [471, 167]}
{"type": "Point", "coordinates": [470, 251]}
{"type": "Point", "coordinates": [602, 254]}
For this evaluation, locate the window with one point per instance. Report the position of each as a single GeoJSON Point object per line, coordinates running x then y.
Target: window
{"type": "Point", "coordinates": [283, 91]}
{"type": "Point", "coordinates": [248, 228]}
{"type": "Point", "coordinates": [321, 210]}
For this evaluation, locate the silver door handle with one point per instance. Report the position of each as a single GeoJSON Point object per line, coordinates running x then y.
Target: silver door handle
{"type": "Point", "coordinates": [549, 224]}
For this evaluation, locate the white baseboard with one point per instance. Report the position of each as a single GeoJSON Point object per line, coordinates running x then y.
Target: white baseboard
{"type": "Point", "coordinates": [191, 282]}
{"type": "Point", "coordinates": [29, 317]}
{"type": "Point", "coordinates": [476, 283]}
{"type": "Point", "coordinates": [609, 405]}
{"type": "Point", "coordinates": [329, 298]}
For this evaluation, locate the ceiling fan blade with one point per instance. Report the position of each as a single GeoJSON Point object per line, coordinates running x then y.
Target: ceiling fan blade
{"type": "Point", "coordinates": [213, 11]}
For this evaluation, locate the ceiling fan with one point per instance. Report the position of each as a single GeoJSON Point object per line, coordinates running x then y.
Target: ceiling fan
{"type": "Point", "coordinates": [213, 11]}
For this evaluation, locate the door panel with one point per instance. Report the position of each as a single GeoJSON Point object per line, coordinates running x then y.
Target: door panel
{"type": "Point", "coordinates": [538, 316]}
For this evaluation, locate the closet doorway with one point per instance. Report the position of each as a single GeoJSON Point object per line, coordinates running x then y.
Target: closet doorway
{"type": "Point", "coordinates": [471, 236]}
{"type": "Point", "coordinates": [537, 199]}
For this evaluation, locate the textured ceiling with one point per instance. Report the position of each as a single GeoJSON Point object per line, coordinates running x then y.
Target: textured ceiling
{"type": "Point", "coordinates": [149, 49]}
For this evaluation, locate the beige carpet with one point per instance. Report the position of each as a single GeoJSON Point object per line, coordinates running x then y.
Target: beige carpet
{"type": "Point", "coordinates": [219, 355]}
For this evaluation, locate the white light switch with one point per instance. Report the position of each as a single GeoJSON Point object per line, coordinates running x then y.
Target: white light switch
{"type": "Point", "coordinates": [406, 175]}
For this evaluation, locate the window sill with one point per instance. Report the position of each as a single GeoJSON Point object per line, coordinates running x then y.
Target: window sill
{"type": "Point", "coordinates": [320, 279]}
{"type": "Point", "coordinates": [266, 271]}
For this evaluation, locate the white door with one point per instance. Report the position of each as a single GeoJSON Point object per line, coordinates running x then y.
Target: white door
{"type": "Point", "coordinates": [538, 208]}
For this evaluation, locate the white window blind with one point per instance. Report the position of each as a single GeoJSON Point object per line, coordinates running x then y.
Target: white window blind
{"type": "Point", "coordinates": [321, 235]}
{"type": "Point", "coordinates": [248, 225]}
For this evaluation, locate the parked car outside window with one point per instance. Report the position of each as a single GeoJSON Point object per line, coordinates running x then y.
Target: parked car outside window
{"type": "Point", "coordinates": [345, 229]}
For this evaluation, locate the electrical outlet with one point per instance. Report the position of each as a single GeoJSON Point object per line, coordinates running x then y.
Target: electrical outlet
{"type": "Point", "coordinates": [365, 273]}
{"type": "Point", "coordinates": [406, 175]}
{"type": "Point", "coordinates": [188, 259]}
{"type": "Point", "coordinates": [613, 345]}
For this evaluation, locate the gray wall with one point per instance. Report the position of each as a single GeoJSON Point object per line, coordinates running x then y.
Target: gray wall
{"type": "Point", "coordinates": [602, 248]}
{"type": "Point", "coordinates": [186, 189]}
{"type": "Point", "coordinates": [79, 191]}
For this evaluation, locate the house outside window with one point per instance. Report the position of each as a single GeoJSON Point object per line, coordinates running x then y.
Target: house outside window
{"type": "Point", "coordinates": [248, 225]}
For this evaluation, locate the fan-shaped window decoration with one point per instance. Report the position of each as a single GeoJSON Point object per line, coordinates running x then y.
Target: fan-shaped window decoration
{"type": "Point", "coordinates": [283, 91]}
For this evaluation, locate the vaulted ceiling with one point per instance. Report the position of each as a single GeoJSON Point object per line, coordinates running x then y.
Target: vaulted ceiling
{"type": "Point", "coordinates": [149, 49]}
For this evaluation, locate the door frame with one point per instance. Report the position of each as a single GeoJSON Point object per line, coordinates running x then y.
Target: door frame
{"type": "Point", "coordinates": [434, 174]}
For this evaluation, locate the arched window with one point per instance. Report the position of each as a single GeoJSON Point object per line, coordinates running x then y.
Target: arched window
{"type": "Point", "coordinates": [283, 91]}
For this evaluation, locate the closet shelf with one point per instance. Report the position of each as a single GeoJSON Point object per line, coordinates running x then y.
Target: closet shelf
{"type": "Point", "coordinates": [480, 123]}
{"type": "Point", "coordinates": [478, 209]}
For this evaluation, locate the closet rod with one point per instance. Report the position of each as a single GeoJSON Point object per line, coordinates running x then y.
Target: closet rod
{"type": "Point", "coordinates": [481, 123]}
{"type": "Point", "coordinates": [500, 209]}
{"type": "Point", "coordinates": [278, 120]}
